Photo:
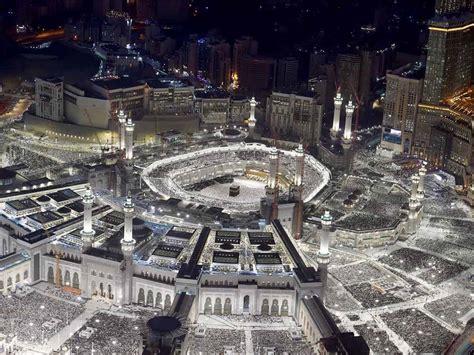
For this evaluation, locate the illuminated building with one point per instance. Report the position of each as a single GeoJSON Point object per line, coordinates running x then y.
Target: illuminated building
{"type": "Point", "coordinates": [109, 268]}
{"type": "Point", "coordinates": [403, 93]}
{"type": "Point", "coordinates": [443, 7]}
{"type": "Point", "coordinates": [295, 115]}
{"type": "Point", "coordinates": [49, 98]}
{"type": "Point", "coordinates": [170, 96]}
{"type": "Point", "coordinates": [443, 132]}
{"type": "Point", "coordinates": [448, 68]}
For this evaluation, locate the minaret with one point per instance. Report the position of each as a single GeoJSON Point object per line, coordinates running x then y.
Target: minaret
{"type": "Point", "coordinates": [323, 254]}
{"type": "Point", "coordinates": [348, 127]}
{"type": "Point", "coordinates": [128, 245]}
{"type": "Point", "coordinates": [273, 168]}
{"type": "Point", "coordinates": [129, 128]}
{"type": "Point", "coordinates": [299, 167]}
{"type": "Point", "coordinates": [297, 193]}
{"type": "Point", "coordinates": [421, 185]}
{"type": "Point", "coordinates": [128, 208]}
{"type": "Point", "coordinates": [413, 205]}
{"type": "Point", "coordinates": [415, 179]}
{"type": "Point", "coordinates": [271, 191]}
{"type": "Point", "coordinates": [337, 114]}
{"type": "Point", "coordinates": [252, 119]}
{"type": "Point", "coordinates": [122, 118]}
{"type": "Point", "coordinates": [87, 233]}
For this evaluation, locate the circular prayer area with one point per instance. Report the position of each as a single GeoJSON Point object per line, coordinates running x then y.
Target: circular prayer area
{"type": "Point", "coordinates": [163, 324]}
{"type": "Point", "coordinates": [231, 177]}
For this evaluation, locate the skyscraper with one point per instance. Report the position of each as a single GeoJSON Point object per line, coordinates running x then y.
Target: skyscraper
{"type": "Point", "coordinates": [443, 7]}
{"type": "Point", "coordinates": [101, 7]}
{"type": "Point", "coordinates": [255, 73]}
{"type": "Point", "coordinates": [348, 73]}
{"type": "Point", "coordinates": [146, 10]}
{"type": "Point", "coordinates": [242, 46]}
{"type": "Point", "coordinates": [286, 73]}
{"type": "Point", "coordinates": [449, 62]}
{"type": "Point", "coordinates": [219, 62]}
{"type": "Point", "coordinates": [444, 131]}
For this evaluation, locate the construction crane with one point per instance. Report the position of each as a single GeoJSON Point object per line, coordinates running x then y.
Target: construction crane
{"type": "Point", "coordinates": [357, 108]}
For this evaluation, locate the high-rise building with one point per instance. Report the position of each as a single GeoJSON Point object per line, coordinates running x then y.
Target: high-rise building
{"type": "Point", "coordinates": [443, 7]}
{"type": "Point", "coordinates": [49, 98]}
{"type": "Point", "coordinates": [219, 63]}
{"type": "Point", "coordinates": [403, 93]}
{"type": "Point", "coordinates": [366, 74]}
{"type": "Point", "coordinates": [146, 10]}
{"type": "Point", "coordinates": [213, 106]}
{"type": "Point", "coordinates": [242, 46]}
{"type": "Point", "coordinates": [355, 73]}
{"type": "Point", "coordinates": [189, 56]}
{"type": "Point", "coordinates": [117, 28]}
{"type": "Point", "coordinates": [123, 93]}
{"type": "Point", "coordinates": [101, 7]}
{"type": "Point", "coordinates": [209, 58]}
{"type": "Point", "coordinates": [317, 60]}
{"type": "Point", "coordinates": [256, 73]}
{"type": "Point", "coordinates": [348, 73]}
{"type": "Point", "coordinates": [444, 130]}
{"type": "Point", "coordinates": [285, 73]}
{"type": "Point", "coordinates": [449, 62]}
{"type": "Point", "coordinates": [295, 115]}
{"type": "Point", "coordinates": [172, 10]}
{"type": "Point", "coordinates": [117, 5]}
{"type": "Point", "coordinates": [169, 96]}
{"type": "Point", "coordinates": [319, 85]}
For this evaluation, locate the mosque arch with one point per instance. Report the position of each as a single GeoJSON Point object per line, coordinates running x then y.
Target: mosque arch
{"type": "Point", "coordinates": [67, 278]}
{"type": "Point", "coordinates": [75, 280]}
{"type": "Point", "coordinates": [218, 306]}
{"type": "Point", "coordinates": [51, 275]}
{"type": "Point", "coordinates": [284, 308]}
{"type": "Point", "coordinates": [149, 298]}
{"type": "Point", "coordinates": [265, 310]}
{"type": "Point", "coordinates": [167, 302]}
{"type": "Point", "coordinates": [208, 306]}
{"type": "Point", "coordinates": [158, 300]}
{"type": "Point", "coordinates": [141, 296]}
{"type": "Point", "coordinates": [275, 308]}
{"type": "Point", "coordinates": [228, 306]}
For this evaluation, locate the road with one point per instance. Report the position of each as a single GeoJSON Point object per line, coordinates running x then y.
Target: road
{"type": "Point", "coordinates": [48, 35]}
